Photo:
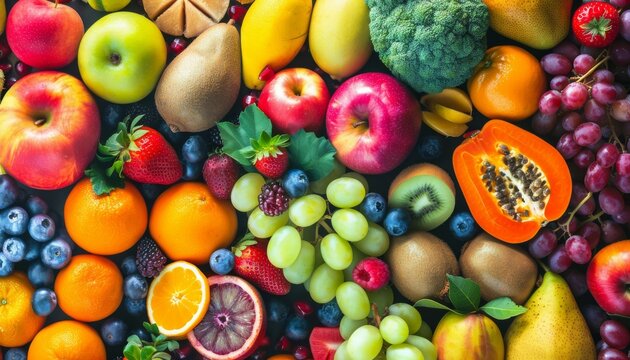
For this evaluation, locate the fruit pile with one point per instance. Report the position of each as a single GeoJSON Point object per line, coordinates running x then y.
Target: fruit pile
{"type": "Point", "coordinates": [311, 180]}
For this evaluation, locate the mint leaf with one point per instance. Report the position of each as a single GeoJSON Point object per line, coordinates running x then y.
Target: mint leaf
{"type": "Point", "coordinates": [464, 294]}
{"type": "Point", "coordinates": [315, 155]}
{"type": "Point", "coordinates": [132, 351]}
{"type": "Point", "coordinates": [161, 356]}
{"type": "Point", "coordinates": [432, 304]}
{"type": "Point", "coordinates": [237, 139]}
{"type": "Point", "coordinates": [503, 308]}
{"type": "Point", "coordinates": [102, 183]}
{"type": "Point", "coordinates": [147, 352]}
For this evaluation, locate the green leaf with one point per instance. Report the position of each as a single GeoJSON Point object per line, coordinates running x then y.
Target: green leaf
{"type": "Point", "coordinates": [132, 352]}
{"type": "Point", "coordinates": [237, 139]}
{"type": "Point", "coordinates": [151, 328]}
{"type": "Point", "coordinates": [101, 183]}
{"type": "Point", "coordinates": [315, 155]}
{"type": "Point", "coordinates": [503, 308]}
{"type": "Point", "coordinates": [432, 304]}
{"type": "Point", "coordinates": [172, 345]}
{"type": "Point", "coordinates": [147, 352]}
{"type": "Point", "coordinates": [161, 356]}
{"type": "Point", "coordinates": [134, 339]}
{"type": "Point", "coordinates": [464, 294]}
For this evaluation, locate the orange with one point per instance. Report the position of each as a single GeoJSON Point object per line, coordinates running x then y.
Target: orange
{"type": "Point", "coordinates": [507, 83]}
{"type": "Point", "coordinates": [18, 321]}
{"type": "Point", "coordinates": [282, 357]}
{"type": "Point", "coordinates": [105, 224]}
{"type": "Point", "coordinates": [67, 340]}
{"type": "Point", "coordinates": [178, 299]}
{"type": "Point", "coordinates": [188, 223]}
{"type": "Point", "coordinates": [90, 288]}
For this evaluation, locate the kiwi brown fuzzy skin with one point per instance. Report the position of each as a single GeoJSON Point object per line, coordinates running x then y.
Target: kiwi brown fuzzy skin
{"type": "Point", "coordinates": [419, 262]}
{"type": "Point", "coordinates": [500, 269]}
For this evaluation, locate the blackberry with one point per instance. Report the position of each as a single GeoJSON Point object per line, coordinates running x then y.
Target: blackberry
{"type": "Point", "coordinates": [147, 107]}
{"type": "Point", "coordinates": [215, 139]}
{"type": "Point", "coordinates": [273, 199]}
{"type": "Point", "coordinates": [150, 260]}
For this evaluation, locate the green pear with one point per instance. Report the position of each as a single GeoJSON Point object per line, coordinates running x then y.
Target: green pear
{"type": "Point", "coordinates": [553, 327]}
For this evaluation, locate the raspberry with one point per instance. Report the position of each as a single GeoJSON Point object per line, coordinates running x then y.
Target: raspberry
{"type": "Point", "coordinates": [273, 199]}
{"type": "Point", "coordinates": [371, 274]}
{"type": "Point", "coordinates": [215, 138]}
{"type": "Point", "coordinates": [150, 260]}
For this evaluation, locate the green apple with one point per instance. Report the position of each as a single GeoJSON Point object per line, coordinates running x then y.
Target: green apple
{"type": "Point", "coordinates": [121, 57]}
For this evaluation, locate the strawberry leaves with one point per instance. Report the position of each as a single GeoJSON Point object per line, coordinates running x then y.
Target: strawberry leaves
{"type": "Point", "coordinates": [237, 139]}
{"type": "Point", "coordinates": [137, 349]}
{"type": "Point", "coordinates": [315, 155]}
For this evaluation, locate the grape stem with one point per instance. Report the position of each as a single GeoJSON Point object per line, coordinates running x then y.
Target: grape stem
{"type": "Point", "coordinates": [565, 225]}
{"type": "Point", "coordinates": [592, 70]}
{"type": "Point", "coordinates": [377, 316]}
{"type": "Point", "coordinates": [323, 224]}
{"type": "Point", "coordinates": [614, 134]}
{"type": "Point", "coordinates": [592, 218]}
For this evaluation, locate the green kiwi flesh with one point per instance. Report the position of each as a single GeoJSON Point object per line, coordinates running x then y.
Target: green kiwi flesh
{"type": "Point", "coordinates": [428, 198]}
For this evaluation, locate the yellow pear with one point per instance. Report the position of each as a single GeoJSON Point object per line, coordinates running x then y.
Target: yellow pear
{"type": "Point", "coordinates": [553, 327]}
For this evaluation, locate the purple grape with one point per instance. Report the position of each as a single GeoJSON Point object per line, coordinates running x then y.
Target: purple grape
{"type": "Point", "coordinates": [612, 232]}
{"type": "Point", "coordinates": [604, 93]}
{"type": "Point", "coordinates": [622, 183]}
{"type": "Point", "coordinates": [620, 110]}
{"type": "Point", "coordinates": [583, 63]}
{"type": "Point", "coordinates": [559, 261]}
{"type": "Point", "coordinates": [574, 96]}
{"type": "Point", "coordinates": [615, 334]}
{"type": "Point", "coordinates": [603, 76]}
{"type": "Point", "coordinates": [571, 120]}
{"type": "Point", "coordinates": [596, 177]}
{"type": "Point", "coordinates": [543, 244]}
{"type": "Point", "coordinates": [587, 134]}
{"type": "Point", "coordinates": [622, 217]}
{"type": "Point", "coordinates": [549, 103]}
{"type": "Point", "coordinates": [576, 280]}
{"type": "Point", "coordinates": [584, 158]}
{"type": "Point", "coordinates": [611, 201]}
{"type": "Point", "coordinates": [577, 195]}
{"type": "Point", "coordinates": [622, 166]}
{"type": "Point", "coordinates": [578, 249]}
{"type": "Point", "coordinates": [621, 91]}
{"type": "Point", "coordinates": [620, 3]}
{"type": "Point", "coordinates": [591, 232]}
{"type": "Point", "coordinates": [567, 146]}
{"type": "Point", "coordinates": [593, 51]}
{"type": "Point", "coordinates": [624, 30]}
{"type": "Point", "coordinates": [611, 354]}
{"type": "Point", "coordinates": [607, 155]}
{"type": "Point", "coordinates": [594, 316]}
{"type": "Point", "coordinates": [558, 82]}
{"type": "Point", "coordinates": [543, 124]}
{"type": "Point", "coordinates": [595, 112]}
{"type": "Point", "coordinates": [567, 49]}
{"type": "Point", "coordinates": [555, 64]}
{"type": "Point", "coordinates": [620, 52]}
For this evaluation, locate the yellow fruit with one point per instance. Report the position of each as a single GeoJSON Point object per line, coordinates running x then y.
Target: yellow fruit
{"type": "Point", "coordinates": [18, 321]}
{"type": "Point", "coordinates": [3, 16]}
{"type": "Point", "coordinates": [470, 337]}
{"type": "Point", "coordinates": [67, 340]}
{"type": "Point", "coordinates": [451, 115]}
{"type": "Point", "coordinates": [272, 34]}
{"type": "Point", "coordinates": [339, 36]}
{"type": "Point", "coordinates": [442, 126]}
{"type": "Point", "coordinates": [178, 299]}
{"type": "Point", "coordinates": [108, 5]}
{"type": "Point", "coordinates": [453, 98]}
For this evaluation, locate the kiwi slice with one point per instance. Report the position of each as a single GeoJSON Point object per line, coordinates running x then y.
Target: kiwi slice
{"type": "Point", "coordinates": [428, 198]}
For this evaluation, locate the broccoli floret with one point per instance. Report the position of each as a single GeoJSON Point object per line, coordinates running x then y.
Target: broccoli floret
{"type": "Point", "coordinates": [429, 44]}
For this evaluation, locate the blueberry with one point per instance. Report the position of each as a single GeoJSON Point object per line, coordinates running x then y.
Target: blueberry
{"type": "Point", "coordinates": [430, 147]}
{"type": "Point", "coordinates": [56, 254]}
{"type": "Point", "coordinates": [277, 311]}
{"type": "Point", "coordinates": [192, 171]}
{"type": "Point", "coordinates": [295, 182]}
{"type": "Point", "coordinates": [135, 307]}
{"type": "Point", "coordinates": [135, 287]}
{"type": "Point", "coordinates": [175, 138]}
{"type": "Point", "coordinates": [397, 222]}
{"type": "Point", "coordinates": [6, 266]}
{"type": "Point", "coordinates": [33, 251]}
{"type": "Point", "coordinates": [195, 149]}
{"type": "Point", "coordinates": [141, 333]}
{"type": "Point", "coordinates": [374, 207]}
{"type": "Point", "coordinates": [463, 226]}
{"type": "Point", "coordinates": [298, 328]}
{"type": "Point", "coordinates": [14, 249]}
{"type": "Point", "coordinates": [44, 301]}
{"type": "Point", "coordinates": [9, 191]}
{"type": "Point", "coordinates": [15, 354]}
{"type": "Point", "coordinates": [14, 221]}
{"type": "Point", "coordinates": [35, 205]}
{"type": "Point", "coordinates": [114, 332]}
{"type": "Point", "coordinates": [151, 191]}
{"type": "Point", "coordinates": [41, 228]}
{"type": "Point", "coordinates": [222, 261]}
{"type": "Point", "coordinates": [329, 314]}
{"type": "Point", "coordinates": [40, 275]}
{"type": "Point", "coordinates": [128, 266]}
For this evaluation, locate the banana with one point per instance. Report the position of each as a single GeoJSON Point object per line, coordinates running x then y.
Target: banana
{"type": "Point", "coordinates": [442, 126]}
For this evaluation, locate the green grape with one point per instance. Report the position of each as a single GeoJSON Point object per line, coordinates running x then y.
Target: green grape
{"type": "Point", "coordinates": [284, 247]}
{"type": "Point", "coordinates": [307, 284]}
{"type": "Point", "coordinates": [302, 268]}
{"type": "Point", "coordinates": [404, 352]}
{"type": "Point", "coordinates": [347, 326]}
{"type": "Point", "coordinates": [350, 224]}
{"type": "Point", "coordinates": [361, 178]}
{"type": "Point", "coordinates": [382, 297]}
{"type": "Point", "coordinates": [324, 283]}
{"type": "Point", "coordinates": [356, 257]}
{"type": "Point", "coordinates": [307, 210]}
{"type": "Point", "coordinates": [425, 346]}
{"type": "Point", "coordinates": [365, 343]}
{"type": "Point", "coordinates": [342, 352]}
{"type": "Point", "coordinates": [408, 313]}
{"type": "Point", "coordinates": [345, 192]}
{"type": "Point", "coordinates": [245, 192]}
{"type": "Point", "coordinates": [353, 300]}
{"type": "Point", "coordinates": [394, 329]}
{"type": "Point", "coordinates": [425, 331]}
{"type": "Point", "coordinates": [336, 252]}
{"type": "Point", "coordinates": [263, 226]}
{"type": "Point", "coordinates": [375, 243]}
{"type": "Point", "coordinates": [319, 186]}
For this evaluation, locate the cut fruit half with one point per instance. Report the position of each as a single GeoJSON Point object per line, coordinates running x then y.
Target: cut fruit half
{"type": "Point", "coordinates": [443, 126]}
{"type": "Point", "coordinates": [178, 299]}
{"type": "Point", "coordinates": [453, 98]}
{"type": "Point", "coordinates": [452, 115]}
{"type": "Point", "coordinates": [234, 323]}
{"type": "Point", "coordinates": [324, 342]}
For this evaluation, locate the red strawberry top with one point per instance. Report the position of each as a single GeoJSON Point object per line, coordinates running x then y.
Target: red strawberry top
{"type": "Point", "coordinates": [596, 24]}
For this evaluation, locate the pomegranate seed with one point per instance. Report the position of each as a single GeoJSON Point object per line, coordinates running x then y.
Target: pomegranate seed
{"type": "Point", "coordinates": [22, 69]}
{"type": "Point", "coordinates": [303, 308]}
{"type": "Point", "coordinates": [177, 45]}
{"type": "Point", "coordinates": [284, 344]}
{"type": "Point", "coordinates": [10, 81]}
{"type": "Point", "coordinates": [237, 12]}
{"type": "Point", "coordinates": [266, 74]}
{"type": "Point", "coordinates": [184, 352]}
{"type": "Point", "coordinates": [6, 67]}
{"type": "Point", "coordinates": [301, 353]}
{"type": "Point", "coordinates": [249, 100]}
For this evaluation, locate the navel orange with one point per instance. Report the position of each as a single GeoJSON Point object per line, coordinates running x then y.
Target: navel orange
{"type": "Point", "coordinates": [18, 321]}
{"type": "Point", "coordinates": [67, 340]}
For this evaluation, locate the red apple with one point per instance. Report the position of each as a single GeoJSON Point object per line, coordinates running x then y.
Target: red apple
{"type": "Point", "coordinates": [44, 34]}
{"type": "Point", "coordinates": [295, 99]}
{"type": "Point", "coordinates": [373, 121]}
{"type": "Point", "coordinates": [49, 130]}
{"type": "Point", "coordinates": [608, 278]}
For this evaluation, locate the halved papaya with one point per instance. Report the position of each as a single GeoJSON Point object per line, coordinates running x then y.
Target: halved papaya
{"type": "Point", "coordinates": [513, 181]}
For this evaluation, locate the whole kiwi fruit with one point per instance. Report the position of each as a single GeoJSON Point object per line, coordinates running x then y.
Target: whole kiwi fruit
{"type": "Point", "coordinates": [500, 269]}
{"type": "Point", "coordinates": [419, 262]}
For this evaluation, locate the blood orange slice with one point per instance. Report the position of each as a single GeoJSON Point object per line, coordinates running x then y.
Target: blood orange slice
{"type": "Point", "coordinates": [235, 320]}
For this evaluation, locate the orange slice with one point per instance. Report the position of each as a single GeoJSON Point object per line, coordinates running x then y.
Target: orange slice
{"type": "Point", "coordinates": [178, 299]}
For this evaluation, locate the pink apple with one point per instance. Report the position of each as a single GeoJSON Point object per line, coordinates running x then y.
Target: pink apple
{"type": "Point", "coordinates": [295, 99]}
{"type": "Point", "coordinates": [49, 130]}
{"type": "Point", "coordinates": [44, 34]}
{"type": "Point", "coordinates": [373, 121]}
{"type": "Point", "coordinates": [608, 278]}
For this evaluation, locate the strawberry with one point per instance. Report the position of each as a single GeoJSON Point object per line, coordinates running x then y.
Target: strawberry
{"type": "Point", "coordinates": [220, 173]}
{"type": "Point", "coordinates": [596, 24]}
{"type": "Point", "coordinates": [324, 342]}
{"type": "Point", "coordinates": [270, 156]}
{"type": "Point", "coordinates": [251, 263]}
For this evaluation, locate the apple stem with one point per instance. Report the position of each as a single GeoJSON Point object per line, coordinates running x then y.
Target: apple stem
{"type": "Point", "coordinates": [40, 122]}
{"type": "Point", "coordinates": [115, 59]}
{"type": "Point", "coordinates": [356, 124]}
{"type": "Point", "coordinates": [231, 22]}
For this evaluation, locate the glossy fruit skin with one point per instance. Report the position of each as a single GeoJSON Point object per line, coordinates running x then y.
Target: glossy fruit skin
{"type": "Point", "coordinates": [295, 182]}
{"type": "Point", "coordinates": [135, 287]}
{"type": "Point", "coordinates": [56, 254]}
{"type": "Point", "coordinates": [67, 340]}
{"type": "Point", "coordinates": [473, 337]}
{"type": "Point", "coordinates": [507, 83]}
{"type": "Point", "coordinates": [597, 11]}
{"type": "Point", "coordinates": [463, 226]}
{"type": "Point", "coordinates": [298, 328]}
{"type": "Point", "coordinates": [483, 205]}
{"type": "Point", "coordinates": [373, 121]}
{"type": "Point", "coordinates": [608, 275]}
{"type": "Point", "coordinates": [155, 161]}
{"type": "Point", "coordinates": [220, 172]}
{"type": "Point", "coordinates": [44, 34]}
{"type": "Point", "coordinates": [54, 155]}
{"type": "Point", "coordinates": [134, 39]}
{"type": "Point", "coordinates": [329, 314]}
{"type": "Point", "coordinates": [253, 265]}
{"type": "Point", "coordinates": [19, 323]}
{"type": "Point", "coordinates": [114, 332]}
{"type": "Point", "coordinates": [44, 301]}
{"type": "Point", "coordinates": [374, 207]}
{"type": "Point", "coordinates": [222, 261]}
{"type": "Point", "coordinates": [274, 167]}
